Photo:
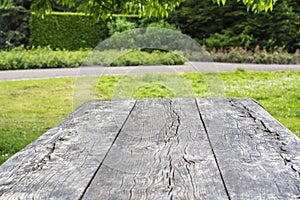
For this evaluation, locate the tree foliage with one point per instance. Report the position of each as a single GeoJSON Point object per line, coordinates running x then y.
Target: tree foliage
{"type": "Point", "coordinates": [5, 3]}
{"type": "Point", "coordinates": [231, 25]}
{"type": "Point", "coordinates": [102, 9]}
{"type": "Point", "coordinates": [16, 32]}
{"type": "Point", "coordinates": [254, 5]}
{"type": "Point", "coordinates": [22, 3]}
{"type": "Point", "coordinates": [105, 8]}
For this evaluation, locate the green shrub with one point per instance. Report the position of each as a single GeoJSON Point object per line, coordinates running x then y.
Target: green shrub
{"type": "Point", "coordinates": [20, 58]}
{"type": "Point", "coordinates": [145, 33]}
{"type": "Point", "coordinates": [120, 24]}
{"type": "Point", "coordinates": [259, 56]}
{"type": "Point", "coordinates": [150, 37]}
{"type": "Point", "coordinates": [14, 27]}
{"type": "Point", "coordinates": [22, 3]}
{"type": "Point", "coordinates": [133, 58]}
{"type": "Point", "coordinates": [71, 31]}
{"type": "Point", "coordinates": [138, 57]}
{"type": "Point", "coordinates": [227, 39]}
{"type": "Point", "coordinates": [162, 24]}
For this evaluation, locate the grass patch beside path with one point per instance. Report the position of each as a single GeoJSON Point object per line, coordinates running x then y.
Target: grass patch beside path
{"type": "Point", "coordinates": [277, 92]}
{"type": "Point", "coordinates": [30, 108]}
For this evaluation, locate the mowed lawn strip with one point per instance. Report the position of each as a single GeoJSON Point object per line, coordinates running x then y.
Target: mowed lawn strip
{"type": "Point", "coordinates": [30, 108]}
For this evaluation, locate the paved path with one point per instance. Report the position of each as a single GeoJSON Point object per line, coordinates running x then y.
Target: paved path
{"type": "Point", "coordinates": [99, 70]}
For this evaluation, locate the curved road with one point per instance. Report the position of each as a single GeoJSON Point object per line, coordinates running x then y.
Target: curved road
{"type": "Point", "coordinates": [100, 70]}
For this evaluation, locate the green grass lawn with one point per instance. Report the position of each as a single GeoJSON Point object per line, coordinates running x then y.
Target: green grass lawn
{"type": "Point", "coordinates": [30, 108]}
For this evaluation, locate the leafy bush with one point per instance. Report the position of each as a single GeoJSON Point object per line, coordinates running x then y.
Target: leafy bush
{"type": "Point", "coordinates": [227, 39]}
{"type": "Point", "coordinates": [133, 58]}
{"type": "Point", "coordinates": [19, 58]}
{"type": "Point", "coordinates": [14, 27]}
{"type": "Point", "coordinates": [259, 56]}
{"type": "Point", "coordinates": [71, 31]}
{"type": "Point", "coordinates": [150, 37]}
{"type": "Point", "coordinates": [147, 33]}
{"type": "Point", "coordinates": [120, 24]}
{"type": "Point", "coordinates": [162, 24]}
{"type": "Point", "coordinates": [23, 3]}
{"type": "Point", "coordinates": [144, 58]}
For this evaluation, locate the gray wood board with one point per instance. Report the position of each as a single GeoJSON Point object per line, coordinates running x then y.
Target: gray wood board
{"type": "Point", "coordinates": [159, 149]}
{"type": "Point", "coordinates": [258, 157]}
{"type": "Point", "coordinates": [61, 163]}
{"type": "Point", "coordinates": [162, 152]}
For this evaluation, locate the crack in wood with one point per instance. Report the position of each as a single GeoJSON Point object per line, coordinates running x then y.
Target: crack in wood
{"type": "Point", "coordinates": [131, 189]}
{"type": "Point", "coordinates": [174, 127]}
{"type": "Point", "coordinates": [160, 149]}
{"type": "Point", "coordinates": [287, 161]}
{"type": "Point", "coordinates": [214, 154]}
{"type": "Point", "coordinates": [91, 180]}
{"type": "Point", "coordinates": [251, 115]}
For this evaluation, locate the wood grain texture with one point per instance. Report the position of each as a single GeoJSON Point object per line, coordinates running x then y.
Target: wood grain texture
{"type": "Point", "coordinates": [161, 153]}
{"type": "Point", "coordinates": [159, 149]}
{"type": "Point", "coordinates": [61, 163]}
{"type": "Point", "coordinates": [257, 156]}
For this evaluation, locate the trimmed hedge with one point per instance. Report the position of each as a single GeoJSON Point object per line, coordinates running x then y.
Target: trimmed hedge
{"type": "Point", "coordinates": [133, 58]}
{"type": "Point", "coordinates": [258, 56]}
{"type": "Point", "coordinates": [156, 57]}
{"type": "Point", "coordinates": [14, 27]}
{"type": "Point", "coordinates": [71, 31]}
{"type": "Point", "coordinates": [20, 58]}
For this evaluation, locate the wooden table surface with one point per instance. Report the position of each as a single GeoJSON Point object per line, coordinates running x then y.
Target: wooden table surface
{"type": "Point", "coordinates": [159, 149]}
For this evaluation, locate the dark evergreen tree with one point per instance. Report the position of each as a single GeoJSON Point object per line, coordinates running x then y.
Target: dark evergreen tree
{"type": "Point", "coordinates": [232, 25]}
{"type": "Point", "coordinates": [23, 3]}
{"type": "Point", "coordinates": [14, 27]}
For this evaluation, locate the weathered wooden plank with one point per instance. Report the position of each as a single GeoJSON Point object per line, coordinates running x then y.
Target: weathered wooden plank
{"type": "Point", "coordinates": [61, 163]}
{"type": "Point", "coordinates": [257, 156]}
{"type": "Point", "coordinates": [162, 152]}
